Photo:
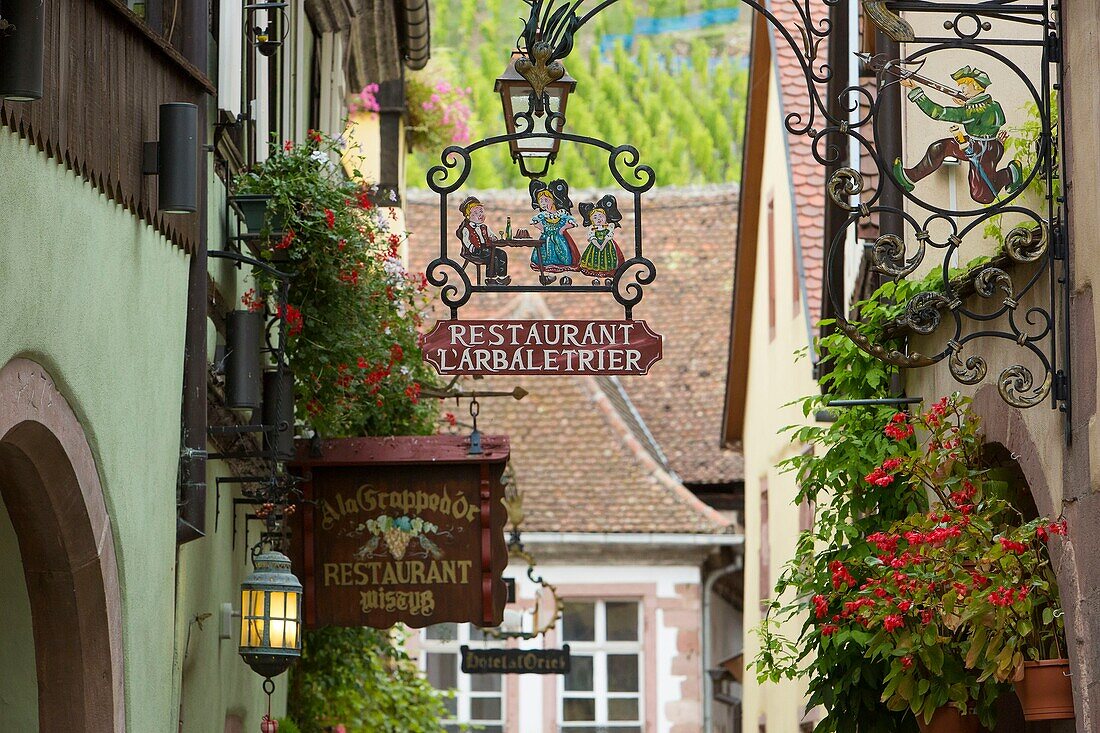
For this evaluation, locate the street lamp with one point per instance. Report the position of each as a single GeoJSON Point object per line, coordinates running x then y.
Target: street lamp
{"type": "Point", "coordinates": [521, 100]}
{"type": "Point", "coordinates": [271, 612]}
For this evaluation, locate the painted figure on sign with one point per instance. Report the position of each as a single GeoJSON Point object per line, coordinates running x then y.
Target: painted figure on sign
{"type": "Point", "coordinates": [602, 257]}
{"type": "Point", "coordinates": [557, 253]}
{"type": "Point", "coordinates": [976, 137]}
{"type": "Point", "coordinates": [476, 237]}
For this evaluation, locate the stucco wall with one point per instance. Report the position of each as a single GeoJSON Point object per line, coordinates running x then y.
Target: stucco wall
{"type": "Point", "coordinates": [98, 298]}
{"type": "Point", "coordinates": [18, 682]}
{"type": "Point", "coordinates": [776, 377]}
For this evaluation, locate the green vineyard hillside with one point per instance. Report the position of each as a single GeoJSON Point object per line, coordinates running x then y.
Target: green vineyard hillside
{"type": "Point", "coordinates": [677, 96]}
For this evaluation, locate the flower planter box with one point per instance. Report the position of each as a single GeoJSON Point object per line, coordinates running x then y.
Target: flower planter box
{"type": "Point", "coordinates": [1046, 691]}
{"type": "Point", "coordinates": [948, 719]}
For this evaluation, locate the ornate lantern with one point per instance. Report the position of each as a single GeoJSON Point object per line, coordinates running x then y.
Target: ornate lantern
{"type": "Point", "coordinates": [271, 614]}
{"type": "Point", "coordinates": [523, 103]}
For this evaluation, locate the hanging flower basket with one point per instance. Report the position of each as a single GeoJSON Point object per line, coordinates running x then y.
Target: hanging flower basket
{"type": "Point", "coordinates": [948, 719]}
{"type": "Point", "coordinates": [253, 209]}
{"type": "Point", "coordinates": [1046, 691]}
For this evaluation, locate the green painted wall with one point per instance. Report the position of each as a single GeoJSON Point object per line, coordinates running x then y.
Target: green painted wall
{"type": "Point", "coordinates": [18, 682]}
{"type": "Point", "coordinates": [98, 298]}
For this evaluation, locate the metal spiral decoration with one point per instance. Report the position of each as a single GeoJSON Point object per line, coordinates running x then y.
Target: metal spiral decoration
{"type": "Point", "coordinates": [1018, 292]}
{"type": "Point", "coordinates": [625, 166]}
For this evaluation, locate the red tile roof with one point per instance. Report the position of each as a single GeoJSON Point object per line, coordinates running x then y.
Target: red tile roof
{"type": "Point", "coordinates": [604, 454]}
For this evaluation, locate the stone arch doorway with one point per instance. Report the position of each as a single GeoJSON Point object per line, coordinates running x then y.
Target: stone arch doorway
{"type": "Point", "coordinates": [51, 489]}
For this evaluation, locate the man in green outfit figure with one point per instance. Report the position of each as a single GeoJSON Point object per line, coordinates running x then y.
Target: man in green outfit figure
{"type": "Point", "coordinates": [979, 140]}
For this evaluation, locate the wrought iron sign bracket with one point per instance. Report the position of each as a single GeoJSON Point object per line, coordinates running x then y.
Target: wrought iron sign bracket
{"type": "Point", "coordinates": [993, 267]}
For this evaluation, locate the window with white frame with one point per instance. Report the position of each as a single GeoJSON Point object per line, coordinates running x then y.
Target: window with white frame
{"type": "Point", "coordinates": [478, 699]}
{"type": "Point", "coordinates": [603, 691]}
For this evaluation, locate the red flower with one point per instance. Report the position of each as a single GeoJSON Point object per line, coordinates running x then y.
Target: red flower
{"type": "Point", "coordinates": [1012, 546]}
{"type": "Point", "coordinates": [314, 136]}
{"type": "Point", "coordinates": [1041, 533]}
{"type": "Point", "coordinates": [413, 393]}
{"type": "Point", "coordinates": [362, 363]}
{"type": "Point", "coordinates": [829, 629]}
{"type": "Point", "coordinates": [883, 541]}
{"type": "Point", "coordinates": [906, 662]}
{"type": "Point", "coordinates": [364, 200]}
{"type": "Point", "coordinates": [893, 622]}
{"type": "Point", "coordinates": [286, 241]}
{"type": "Point", "coordinates": [821, 606]}
{"type": "Point", "coordinates": [293, 318]}
{"type": "Point", "coordinates": [396, 353]}
{"type": "Point", "coordinates": [879, 477]}
{"type": "Point", "coordinates": [330, 218]}
{"type": "Point", "coordinates": [450, 419]}
{"type": "Point", "coordinates": [250, 301]}
{"type": "Point", "coordinates": [287, 145]}
{"type": "Point", "coordinates": [1059, 528]}
{"type": "Point", "coordinates": [898, 428]}
{"type": "Point", "coordinates": [905, 606]}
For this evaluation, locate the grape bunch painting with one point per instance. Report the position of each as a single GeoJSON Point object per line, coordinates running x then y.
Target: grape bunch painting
{"type": "Point", "coordinates": [395, 534]}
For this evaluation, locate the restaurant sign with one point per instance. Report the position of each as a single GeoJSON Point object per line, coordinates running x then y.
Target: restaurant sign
{"type": "Point", "coordinates": [519, 347]}
{"type": "Point", "coordinates": [403, 530]}
{"type": "Point", "coordinates": [515, 661]}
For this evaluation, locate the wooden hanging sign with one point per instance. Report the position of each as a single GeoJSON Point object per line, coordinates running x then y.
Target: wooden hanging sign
{"type": "Point", "coordinates": [518, 347]}
{"type": "Point", "coordinates": [402, 530]}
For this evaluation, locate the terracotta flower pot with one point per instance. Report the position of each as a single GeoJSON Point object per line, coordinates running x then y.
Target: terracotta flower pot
{"type": "Point", "coordinates": [1046, 691]}
{"type": "Point", "coordinates": [948, 719]}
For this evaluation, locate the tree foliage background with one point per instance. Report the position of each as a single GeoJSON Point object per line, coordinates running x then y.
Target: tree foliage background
{"type": "Point", "coordinates": [677, 96]}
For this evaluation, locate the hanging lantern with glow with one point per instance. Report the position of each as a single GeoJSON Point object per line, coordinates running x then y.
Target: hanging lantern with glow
{"type": "Point", "coordinates": [525, 101]}
{"type": "Point", "coordinates": [271, 629]}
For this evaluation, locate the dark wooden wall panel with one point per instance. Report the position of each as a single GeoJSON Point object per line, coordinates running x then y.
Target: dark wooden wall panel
{"type": "Point", "coordinates": [106, 75]}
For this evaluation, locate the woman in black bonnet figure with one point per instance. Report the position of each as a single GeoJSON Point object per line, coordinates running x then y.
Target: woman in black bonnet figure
{"type": "Point", "coordinates": [602, 257]}
{"type": "Point", "coordinates": [557, 253]}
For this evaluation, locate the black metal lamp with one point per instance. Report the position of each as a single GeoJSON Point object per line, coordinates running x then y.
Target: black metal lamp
{"type": "Point", "coordinates": [271, 616]}
{"type": "Point", "coordinates": [243, 363]}
{"type": "Point", "coordinates": [22, 34]}
{"type": "Point", "coordinates": [175, 158]}
{"type": "Point", "coordinates": [536, 152]}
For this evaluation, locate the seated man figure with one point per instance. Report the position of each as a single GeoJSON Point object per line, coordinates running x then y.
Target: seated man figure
{"type": "Point", "coordinates": [476, 237]}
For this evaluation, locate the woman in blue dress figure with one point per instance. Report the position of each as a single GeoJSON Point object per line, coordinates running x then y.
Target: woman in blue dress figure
{"type": "Point", "coordinates": [557, 253]}
{"type": "Point", "coordinates": [602, 257]}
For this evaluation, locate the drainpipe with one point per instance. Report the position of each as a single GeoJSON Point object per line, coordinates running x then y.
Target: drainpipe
{"type": "Point", "coordinates": [708, 683]}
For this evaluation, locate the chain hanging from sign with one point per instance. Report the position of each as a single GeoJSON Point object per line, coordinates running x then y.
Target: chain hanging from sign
{"type": "Point", "coordinates": [559, 244]}
{"type": "Point", "coordinates": [969, 87]}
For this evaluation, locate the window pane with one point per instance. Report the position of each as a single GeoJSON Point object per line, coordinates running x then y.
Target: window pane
{"type": "Point", "coordinates": [622, 709]}
{"type": "Point", "coordinates": [622, 621]}
{"type": "Point", "coordinates": [580, 674]}
{"type": "Point", "coordinates": [578, 709]}
{"type": "Point", "coordinates": [485, 708]}
{"type": "Point", "coordinates": [579, 622]}
{"type": "Point", "coordinates": [452, 729]}
{"type": "Point", "coordinates": [478, 634]}
{"type": "Point", "coordinates": [450, 704]}
{"type": "Point", "coordinates": [443, 632]}
{"type": "Point", "coordinates": [442, 670]}
{"type": "Point", "coordinates": [622, 672]}
{"type": "Point", "coordinates": [485, 682]}
{"type": "Point", "coordinates": [489, 728]}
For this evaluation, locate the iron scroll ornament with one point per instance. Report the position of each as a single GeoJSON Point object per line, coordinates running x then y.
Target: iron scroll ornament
{"type": "Point", "coordinates": [1030, 265]}
{"type": "Point", "coordinates": [624, 164]}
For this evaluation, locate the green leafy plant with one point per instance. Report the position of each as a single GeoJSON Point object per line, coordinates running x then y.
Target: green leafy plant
{"type": "Point", "coordinates": [353, 311]}
{"type": "Point", "coordinates": [361, 679]}
{"type": "Point", "coordinates": [840, 679]}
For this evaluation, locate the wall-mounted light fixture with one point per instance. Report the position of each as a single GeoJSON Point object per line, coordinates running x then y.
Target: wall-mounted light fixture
{"type": "Point", "coordinates": [22, 33]}
{"type": "Point", "coordinates": [269, 38]}
{"type": "Point", "coordinates": [271, 616]}
{"type": "Point", "coordinates": [174, 159]}
{"type": "Point", "coordinates": [278, 413]}
{"type": "Point", "coordinates": [243, 340]}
